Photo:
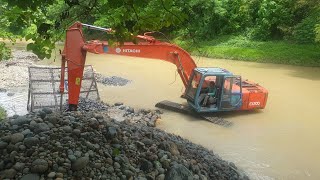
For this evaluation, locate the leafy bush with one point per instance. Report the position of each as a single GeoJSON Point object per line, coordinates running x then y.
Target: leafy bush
{"type": "Point", "coordinates": [5, 52]}
{"type": "Point", "coordinates": [3, 113]}
{"type": "Point", "coordinates": [305, 31]}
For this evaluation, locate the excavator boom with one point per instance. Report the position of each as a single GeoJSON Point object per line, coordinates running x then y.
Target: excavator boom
{"type": "Point", "coordinates": [76, 47]}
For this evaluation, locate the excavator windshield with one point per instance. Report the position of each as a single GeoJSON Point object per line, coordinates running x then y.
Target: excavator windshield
{"type": "Point", "coordinates": [193, 85]}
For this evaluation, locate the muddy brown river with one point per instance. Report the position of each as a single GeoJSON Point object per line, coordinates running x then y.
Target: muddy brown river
{"type": "Point", "coordinates": [279, 142]}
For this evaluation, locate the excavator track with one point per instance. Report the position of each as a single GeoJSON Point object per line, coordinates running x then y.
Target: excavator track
{"type": "Point", "coordinates": [176, 107]}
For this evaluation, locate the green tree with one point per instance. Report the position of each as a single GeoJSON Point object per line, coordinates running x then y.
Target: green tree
{"type": "Point", "coordinates": [44, 22]}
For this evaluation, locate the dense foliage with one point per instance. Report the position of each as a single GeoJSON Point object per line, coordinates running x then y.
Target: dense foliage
{"type": "Point", "coordinates": [44, 22]}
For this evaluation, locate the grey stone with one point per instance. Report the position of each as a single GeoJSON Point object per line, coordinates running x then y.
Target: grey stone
{"type": "Point", "coordinates": [41, 127]}
{"type": "Point", "coordinates": [147, 141]}
{"type": "Point", "coordinates": [31, 177]}
{"type": "Point", "coordinates": [47, 110]}
{"type": "Point", "coordinates": [93, 122]}
{"type": "Point", "coordinates": [20, 121]}
{"type": "Point", "coordinates": [19, 166]}
{"type": "Point", "coordinates": [9, 173]}
{"type": "Point", "coordinates": [10, 94]}
{"type": "Point", "coordinates": [78, 153]}
{"type": "Point", "coordinates": [98, 116]}
{"type": "Point", "coordinates": [3, 145]}
{"type": "Point", "coordinates": [161, 171]}
{"type": "Point", "coordinates": [59, 175]}
{"type": "Point", "coordinates": [33, 124]}
{"type": "Point", "coordinates": [76, 132]}
{"type": "Point", "coordinates": [130, 110]}
{"type": "Point", "coordinates": [178, 172]}
{"type": "Point", "coordinates": [97, 165]}
{"type": "Point", "coordinates": [112, 132]}
{"type": "Point", "coordinates": [141, 178]}
{"type": "Point", "coordinates": [110, 169]}
{"type": "Point", "coordinates": [62, 170]}
{"type": "Point", "coordinates": [22, 147]}
{"type": "Point", "coordinates": [118, 104]}
{"type": "Point", "coordinates": [1, 165]}
{"type": "Point", "coordinates": [25, 170]}
{"type": "Point", "coordinates": [42, 114]}
{"type": "Point", "coordinates": [116, 165]}
{"type": "Point", "coordinates": [39, 166]}
{"type": "Point", "coordinates": [52, 175]}
{"type": "Point", "coordinates": [128, 173]}
{"type": "Point", "coordinates": [80, 163]}
{"type": "Point", "coordinates": [202, 177]}
{"type": "Point", "coordinates": [3, 90]}
{"type": "Point", "coordinates": [160, 177]}
{"type": "Point", "coordinates": [145, 165]}
{"type": "Point", "coordinates": [6, 138]}
{"type": "Point", "coordinates": [72, 157]}
{"type": "Point", "coordinates": [67, 129]}
{"type": "Point", "coordinates": [26, 132]}
{"type": "Point", "coordinates": [32, 141]}
{"type": "Point", "coordinates": [16, 137]}
{"type": "Point", "coordinates": [52, 118]}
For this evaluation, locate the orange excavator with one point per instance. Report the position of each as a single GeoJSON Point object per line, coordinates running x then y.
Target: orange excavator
{"type": "Point", "coordinates": [229, 91]}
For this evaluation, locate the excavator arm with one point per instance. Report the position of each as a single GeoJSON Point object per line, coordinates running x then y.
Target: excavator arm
{"type": "Point", "coordinates": [76, 48]}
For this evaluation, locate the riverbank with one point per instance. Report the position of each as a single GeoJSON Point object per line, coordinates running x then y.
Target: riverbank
{"type": "Point", "coordinates": [241, 48]}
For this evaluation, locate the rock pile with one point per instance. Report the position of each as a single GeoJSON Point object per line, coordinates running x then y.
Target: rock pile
{"type": "Point", "coordinates": [91, 145]}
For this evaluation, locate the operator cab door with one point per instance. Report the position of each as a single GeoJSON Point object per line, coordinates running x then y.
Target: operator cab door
{"type": "Point", "coordinates": [231, 95]}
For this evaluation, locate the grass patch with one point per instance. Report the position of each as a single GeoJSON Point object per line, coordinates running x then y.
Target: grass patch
{"type": "Point", "coordinates": [3, 113]}
{"type": "Point", "coordinates": [241, 48]}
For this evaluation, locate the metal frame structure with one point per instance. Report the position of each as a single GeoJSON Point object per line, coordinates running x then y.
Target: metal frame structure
{"type": "Point", "coordinates": [44, 82]}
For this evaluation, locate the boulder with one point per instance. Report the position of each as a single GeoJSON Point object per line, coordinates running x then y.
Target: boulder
{"type": "Point", "coordinates": [80, 163]}
{"type": "Point", "coordinates": [8, 173]}
{"type": "Point", "coordinates": [3, 144]}
{"type": "Point", "coordinates": [30, 177]}
{"type": "Point", "coordinates": [20, 121]}
{"type": "Point", "coordinates": [31, 141]}
{"type": "Point", "coordinates": [178, 172]}
{"type": "Point", "coordinates": [39, 166]}
{"type": "Point", "coordinates": [41, 127]}
{"type": "Point", "coordinates": [16, 137]}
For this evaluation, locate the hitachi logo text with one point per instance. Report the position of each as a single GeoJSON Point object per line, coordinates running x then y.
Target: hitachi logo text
{"type": "Point", "coordinates": [131, 50]}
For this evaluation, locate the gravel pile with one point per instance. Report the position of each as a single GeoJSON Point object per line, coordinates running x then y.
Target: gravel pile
{"type": "Point", "coordinates": [91, 105]}
{"type": "Point", "coordinates": [14, 72]}
{"type": "Point", "coordinates": [112, 80]}
{"type": "Point", "coordinates": [84, 145]}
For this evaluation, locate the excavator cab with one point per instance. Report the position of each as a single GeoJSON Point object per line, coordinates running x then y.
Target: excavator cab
{"type": "Point", "coordinates": [214, 90]}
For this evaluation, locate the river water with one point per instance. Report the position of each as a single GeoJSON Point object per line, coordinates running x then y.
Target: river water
{"type": "Point", "coordinates": [279, 142]}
